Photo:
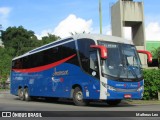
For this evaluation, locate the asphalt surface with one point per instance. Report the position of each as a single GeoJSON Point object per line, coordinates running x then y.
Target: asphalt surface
{"type": "Point", "coordinates": [62, 107]}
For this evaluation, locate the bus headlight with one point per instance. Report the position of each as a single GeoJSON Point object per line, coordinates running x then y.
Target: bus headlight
{"type": "Point", "coordinates": [108, 87]}
{"type": "Point", "coordinates": [140, 89]}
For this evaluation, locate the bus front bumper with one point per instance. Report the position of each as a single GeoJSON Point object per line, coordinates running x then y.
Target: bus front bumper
{"type": "Point", "coordinates": [124, 95]}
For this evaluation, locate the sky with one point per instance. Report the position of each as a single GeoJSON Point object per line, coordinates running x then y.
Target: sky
{"type": "Point", "coordinates": [63, 17]}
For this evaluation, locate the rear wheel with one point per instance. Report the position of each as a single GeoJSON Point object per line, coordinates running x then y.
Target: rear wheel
{"type": "Point", "coordinates": [26, 95]}
{"type": "Point", "coordinates": [113, 102]}
{"type": "Point", "coordinates": [78, 97]}
{"type": "Point", "coordinates": [21, 94]}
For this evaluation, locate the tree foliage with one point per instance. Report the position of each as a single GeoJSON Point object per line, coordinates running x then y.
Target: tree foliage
{"type": "Point", "coordinates": [156, 53]}
{"type": "Point", "coordinates": [5, 63]}
{"type": "Point", "coordinates": [151, 84]}
{"type": "Point", "coordinates": [49, 38]}
{"type": "Point", "coordinates": [19, 40]}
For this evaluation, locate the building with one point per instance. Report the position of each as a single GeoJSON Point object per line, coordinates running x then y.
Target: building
{"type": "Point", "coordinates": [152, 45]}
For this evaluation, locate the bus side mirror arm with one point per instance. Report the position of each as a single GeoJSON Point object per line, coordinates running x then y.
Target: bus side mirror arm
{"type": "Point", "coordinates": [103, 50]}
{"type": "Point", "coordinates": [149, 55]}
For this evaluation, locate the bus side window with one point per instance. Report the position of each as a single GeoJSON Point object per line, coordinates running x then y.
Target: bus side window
{"type": "Point", "coordinates": [85, 53]}
{"type": "Point", "coordinates": [18, 64]}
{"type": "Point", "coordinates": [93, 61]}
{"type": "Point", "coordinates": [55, 49]}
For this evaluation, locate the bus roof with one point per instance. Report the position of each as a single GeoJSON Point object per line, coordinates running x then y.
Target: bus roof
{"type": "Point", "coordinates": [75, 37]}
{"type": "Point", "coordinates": [103, 38]}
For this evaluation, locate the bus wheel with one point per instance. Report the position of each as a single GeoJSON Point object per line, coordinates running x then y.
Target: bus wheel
{"type": "Point", "coordinates": [26, 95]}
{"type": "Point", "coordinates": [21, 94]}
{"type": "Point", "coordinates": [78, 97]}
{"type": "Point", "coordinates": [113, 102]}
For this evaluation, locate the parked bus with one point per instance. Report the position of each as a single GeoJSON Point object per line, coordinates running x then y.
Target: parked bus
{"type": "Point", "coordinates": [83, 67]}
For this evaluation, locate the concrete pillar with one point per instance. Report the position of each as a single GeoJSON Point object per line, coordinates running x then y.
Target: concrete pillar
{"type": "Point", "coordinates": [116, 19]}
{"type": "Point", "coordinates": [127, 13]}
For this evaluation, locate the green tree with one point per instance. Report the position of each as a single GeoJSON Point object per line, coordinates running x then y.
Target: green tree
{"type": "Point", "coordinates": [5, 64]}
{"type": "Point", "coordinates": [156, 53]}
{"type": "Point", "coordinates": [19, 40]}
{"type": "Point", "coordinates": [49, 38]}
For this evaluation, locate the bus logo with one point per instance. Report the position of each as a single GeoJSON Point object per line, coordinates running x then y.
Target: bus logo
{"type": "Point", "coordinates": [60, 73]}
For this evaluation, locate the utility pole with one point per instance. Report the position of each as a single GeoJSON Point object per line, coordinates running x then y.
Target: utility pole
{"type": "Point", "coordinates": [100, 15]}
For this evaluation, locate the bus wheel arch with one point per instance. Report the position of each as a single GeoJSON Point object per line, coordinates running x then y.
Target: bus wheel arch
{"type": "Point", "coordinates": [78, 96]}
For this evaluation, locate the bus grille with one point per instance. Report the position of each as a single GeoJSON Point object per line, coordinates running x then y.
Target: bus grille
{"type": "Point", "coordinates": [126, 90]}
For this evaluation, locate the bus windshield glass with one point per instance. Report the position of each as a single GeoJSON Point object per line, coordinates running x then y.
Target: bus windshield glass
{"type": "Point", "coordinates": [122, 61]}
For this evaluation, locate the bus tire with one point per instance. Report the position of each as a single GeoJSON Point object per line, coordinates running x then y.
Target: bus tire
{"type": "Point", "coordinates": [78, 97]}
{"type": "Point", "coordinates": [113, 102]}
{"type": "Point", "coordinates": [26, 95]}
{"type": "Point", "coordinates": [21, 94]}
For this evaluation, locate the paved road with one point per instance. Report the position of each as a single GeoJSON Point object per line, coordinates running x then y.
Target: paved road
{"type": "Point", "coordinates": [12, 103]}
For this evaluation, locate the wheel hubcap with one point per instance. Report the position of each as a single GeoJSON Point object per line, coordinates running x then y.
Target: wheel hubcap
{"type": "Point", "coordinates": [79, 96]}
{"type": "Point", "coordinates": [26, 95]}
{"type": "Point", "coordinates": [21, 94]}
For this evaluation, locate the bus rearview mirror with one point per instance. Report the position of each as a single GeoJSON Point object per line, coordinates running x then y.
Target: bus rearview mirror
{"type": "Point", "coordinates": [149, 55]}
{"type": "Point", "coordinates": [102, 49]}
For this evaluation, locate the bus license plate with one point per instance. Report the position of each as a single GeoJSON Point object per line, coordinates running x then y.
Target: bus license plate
{"type": "Point", "coordinates": [127, 96]}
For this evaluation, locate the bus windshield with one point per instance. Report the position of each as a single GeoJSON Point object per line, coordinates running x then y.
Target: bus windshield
{"type": "Point", "coordinates": [122, 61]}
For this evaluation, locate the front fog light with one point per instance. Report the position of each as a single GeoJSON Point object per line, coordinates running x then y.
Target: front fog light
{"type": "Point", "coordinates": [140, 89]}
